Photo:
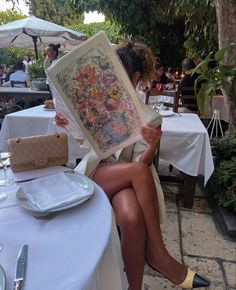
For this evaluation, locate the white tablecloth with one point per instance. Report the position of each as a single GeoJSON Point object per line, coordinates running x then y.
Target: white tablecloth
{"type": "Point", "coordinates": [79, 249]}
{"type": "Point", "coordinates": [32, 122]}
{"type": "Point", "coordinates": [184, 144]}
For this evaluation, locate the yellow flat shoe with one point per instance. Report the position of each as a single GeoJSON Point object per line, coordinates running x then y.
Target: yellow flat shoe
{"type": "Point", "coordinates": [193, 280]}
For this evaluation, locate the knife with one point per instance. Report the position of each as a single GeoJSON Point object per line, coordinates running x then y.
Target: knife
{"type": "Point", "coordinates": [21, 268]}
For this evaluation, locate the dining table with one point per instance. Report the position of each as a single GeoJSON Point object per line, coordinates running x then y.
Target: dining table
{"type": "Point", "coordinates": [77, 248]}
{"type": "Point", "coordinates": [184, 144]}
{"type": "Point", "coordinates": [25, 95]}
{"type": "Point", "coordinates": [218, 102]}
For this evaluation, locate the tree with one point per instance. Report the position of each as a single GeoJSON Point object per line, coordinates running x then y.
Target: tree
{"type": "Point", "coordinates": [57, 11]}
{"type": "Point", "coordinates": [160, 23]}
{"type": "Point", "coordinates": [10, 15]}
{"type": "Point", "coordinates": [112, 30]}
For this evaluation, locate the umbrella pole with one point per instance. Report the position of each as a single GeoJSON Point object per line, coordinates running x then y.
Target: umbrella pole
{"type": "Point", "coordinates": [35, 46]}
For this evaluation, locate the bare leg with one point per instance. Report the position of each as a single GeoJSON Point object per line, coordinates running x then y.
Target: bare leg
{"type": "Point", "coordinates": [116, 177]}
{"type": "Point", "coordinates": [129, 217]}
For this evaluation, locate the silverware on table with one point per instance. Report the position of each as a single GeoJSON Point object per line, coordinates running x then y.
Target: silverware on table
{"type": "Point", "coordinates": [21, 268]}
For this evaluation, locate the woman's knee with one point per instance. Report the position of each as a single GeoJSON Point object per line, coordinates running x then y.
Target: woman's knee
{"type": "Point", "coordinates": [131, 222]}
{"type": "Point", "coordinates": [140, 168]}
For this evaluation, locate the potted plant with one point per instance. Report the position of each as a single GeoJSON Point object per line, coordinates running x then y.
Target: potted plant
{"type": "Point", "coordinates": [216, 76]}
{"type": "Point", "coordinates": [223, 181]}
{"type": "Point", "coordinates": [37, 76]}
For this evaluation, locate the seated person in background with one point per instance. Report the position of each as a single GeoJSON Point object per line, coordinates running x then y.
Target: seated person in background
{"type": "Point", "coordinates": [171, 73]}
{"type": "Point", "coordinates": [160, 78]}
{"type": "Point", "coordinates": [18, 75]}
{"type": "Point", "coordinates": [188, 81]}
{"type": "Point", "coordinates": [2, 74]}
{"type": "Point", "coordinates": [10, 71]}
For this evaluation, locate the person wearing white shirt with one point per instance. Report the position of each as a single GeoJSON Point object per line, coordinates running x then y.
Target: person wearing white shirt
{"type": "Point", "coordinates": [18, 75]}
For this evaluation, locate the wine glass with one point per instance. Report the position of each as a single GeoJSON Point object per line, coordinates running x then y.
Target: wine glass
{"type": "Point", "coordinates": [4, 160]}
{"type": "Point", "coordinates": [159, 105]}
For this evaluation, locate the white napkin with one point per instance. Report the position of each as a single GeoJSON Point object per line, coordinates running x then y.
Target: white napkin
{"type": "Point", "coordinates": [53, 191]}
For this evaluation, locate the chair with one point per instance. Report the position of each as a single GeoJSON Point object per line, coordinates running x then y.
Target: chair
{"type": "Point", "coordinates": [18, 84]}
{"type": "Point", "coordinates": [172, 99]}
{"type": "Point", "coordinates": [188, 99]}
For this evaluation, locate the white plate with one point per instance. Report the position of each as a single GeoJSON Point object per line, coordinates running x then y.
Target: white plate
{"type": "Point", "coordinates": [83, 181]}
{"type": "Point", "coordinates": [2, 279]}
{"type": "Point", "coordinates": [166, 113]}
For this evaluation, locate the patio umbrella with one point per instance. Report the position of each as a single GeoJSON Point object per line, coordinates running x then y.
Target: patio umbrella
{"type": "Point", "coordinates": [35, 33]}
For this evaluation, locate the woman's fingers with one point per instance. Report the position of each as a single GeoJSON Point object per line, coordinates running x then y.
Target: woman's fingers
{"type": "Point", "coordinates": [60, 120]}
{"type": "Point", "coordinates": [151, 134]}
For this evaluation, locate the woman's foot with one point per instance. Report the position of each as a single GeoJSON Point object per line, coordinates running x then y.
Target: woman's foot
{"type": "Point", "coordinates": [177, 273]}
{"type": "Point", "coordinates": [169, 267]}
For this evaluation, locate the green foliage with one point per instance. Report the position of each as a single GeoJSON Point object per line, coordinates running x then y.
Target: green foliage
{"type": "Point", "coordinates": [223, 181]}
{"type": "Point", "coordinates": [9, 15]}
{"type": "Point", "coordinates": [215, 76]}
{"type": "Point", "coordinates": [200, 25]}
{"type": "Point", "coordinates": [144, 20]}
{"type": "Point", "coordinates": [56, 11]}
{"type": "Point", "coordinates": [36, 70]}
{"type": "Point", "coordinates": [112, 30]}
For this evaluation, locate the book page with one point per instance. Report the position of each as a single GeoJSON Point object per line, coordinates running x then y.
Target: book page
{"type": "Point", "coordinates": [92, 89]}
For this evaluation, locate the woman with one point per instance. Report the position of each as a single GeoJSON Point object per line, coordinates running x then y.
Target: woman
{"type": "Point", "coordinates": [52, 52]}
{"type": "Point", "coordinates": [130, 187]}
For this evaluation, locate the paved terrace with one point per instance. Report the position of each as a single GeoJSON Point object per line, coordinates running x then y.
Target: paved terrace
{"type": "Point", "coordinates": [192, 236]}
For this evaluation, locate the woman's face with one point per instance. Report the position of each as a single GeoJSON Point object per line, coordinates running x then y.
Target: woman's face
{"type": "Point", "coordinates": [51, 53]}
{"type": "Point", "coordinates": [160, 71]}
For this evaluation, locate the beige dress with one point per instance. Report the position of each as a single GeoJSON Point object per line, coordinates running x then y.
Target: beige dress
{"type": "Point", "coordinates": [131, 153]}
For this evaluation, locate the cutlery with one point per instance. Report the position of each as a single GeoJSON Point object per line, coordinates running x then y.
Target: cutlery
{"type": "Point", "coordinates": [21, 268]}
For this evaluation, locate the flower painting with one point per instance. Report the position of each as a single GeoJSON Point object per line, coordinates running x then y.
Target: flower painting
{"type": "Point", "coordinates": [98, 97]}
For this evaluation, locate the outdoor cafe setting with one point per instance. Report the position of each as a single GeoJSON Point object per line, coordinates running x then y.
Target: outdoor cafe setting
{"type": "Point", "coordinates": [117, 145]}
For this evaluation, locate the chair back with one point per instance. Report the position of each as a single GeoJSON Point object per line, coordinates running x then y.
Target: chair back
{"type": "Point", "coordinates": [188, 98]}
{"type": "Point", "coordinates": [171, 100]}
{"type": "Point", "coordinates": [19, 84]}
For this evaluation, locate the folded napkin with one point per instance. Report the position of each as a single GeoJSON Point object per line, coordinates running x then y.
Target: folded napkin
{"type": "Point", "coordinates": [53, 191]}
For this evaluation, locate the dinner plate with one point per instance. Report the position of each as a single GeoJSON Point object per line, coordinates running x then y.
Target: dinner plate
{"type": "Point", "coordinates": [2, 279]}
{"type": "Point", "coordinates": [83, 181]}
{"type": "Point", "coordinates": [166, 113]}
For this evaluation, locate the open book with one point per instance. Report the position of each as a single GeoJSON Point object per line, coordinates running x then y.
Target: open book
{"type": "Point", "coordinates": [93, 91]}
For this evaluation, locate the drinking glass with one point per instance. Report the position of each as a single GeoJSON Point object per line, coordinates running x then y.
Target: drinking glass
{"type": "Point", "coordinates": [4, 160]}
{"type": "Point", "coordinates": [159, 105]}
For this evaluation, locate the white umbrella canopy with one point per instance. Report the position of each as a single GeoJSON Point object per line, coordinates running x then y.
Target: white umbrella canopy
{"type": "Point", "coordinates": [35, 33]}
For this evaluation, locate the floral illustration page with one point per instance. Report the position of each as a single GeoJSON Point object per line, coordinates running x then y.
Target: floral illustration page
{"type": "Point", "coordinates": [96, 90]}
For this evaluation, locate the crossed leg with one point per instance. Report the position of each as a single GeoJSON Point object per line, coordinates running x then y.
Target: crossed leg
{"type": "Point", "coordinates": [121, 179]}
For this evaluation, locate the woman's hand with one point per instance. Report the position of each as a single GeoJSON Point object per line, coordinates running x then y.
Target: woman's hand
{"type": "Point", "coordinates": [60, 120]}
{"type": "Point", "coordinates": [151, 134]}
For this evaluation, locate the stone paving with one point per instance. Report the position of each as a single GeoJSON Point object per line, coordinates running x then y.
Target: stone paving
{"type": "Point", "coordinates": [191, 236]}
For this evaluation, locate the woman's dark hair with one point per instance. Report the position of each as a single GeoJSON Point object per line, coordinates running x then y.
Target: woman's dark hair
{"type": "Point", "coordinates": [188, 64]}
{"type": "Point", "coordinates": [135, 57]}
{"type": "Point", "coordinates": [55, 47]}
{"type": "Point", "coordinates": [158, 65]}
{"type": "Point", "coordinates": [20, 66]}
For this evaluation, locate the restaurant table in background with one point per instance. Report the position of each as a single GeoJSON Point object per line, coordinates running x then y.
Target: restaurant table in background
{"type": "Point", "coordinates": [78, 249]}
{"type": "Point", "coordinates": [184, 143]}
{"type": "Point", "coordinates": [218, 103]}
{"type": "Point", "coordinates": [32, 122]}
{"type": "Point", "coordinates": [25, 95]}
